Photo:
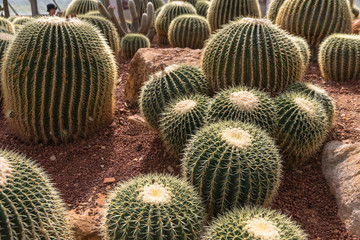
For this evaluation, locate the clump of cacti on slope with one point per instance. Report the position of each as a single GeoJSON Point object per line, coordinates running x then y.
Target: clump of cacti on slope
{"type": "Point", "coordinates": [266, 59]}
{"type": "Point", "coordinates": [133, 42]}
{"type": "Point", "coordinates": [30, 207]}
{"type": "Point", "coordinates": [6, 26]}
{"type": "Point", "coordinates": [79, 7]}
{"type": "Point", "coordinates": [63, 88]}
{"type": "Point", "coordinates": [154, 207]}
{"type": "Point", "coordinates": [274, 8]}
{"type": "Point", "coordinates": [304, 49]}
{"type": "Point", "coordinates": [189, 31]}
{"type": "Point", "coordinates": [232, 164]}
{"type": "Point", "coordinates": [202, 8]}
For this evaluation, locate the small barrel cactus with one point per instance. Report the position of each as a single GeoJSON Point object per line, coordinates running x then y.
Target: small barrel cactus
{"type": "Point", "coordinates": [222, 12]}
{"type": "Point", "coordinates": [232, 164]}
{"type": "Point", "coordinates": [154, 207]}
{"type": "Point", "coordinates": [304, 48]}
{"type": "Point", "coordinates": [6, 26]}
{"type": "Point", "coordinates": [315, 19]}
{"type": "Point", "coordinates": [303, 127]}
{"type": "Point", "coordinates": [168, 13]}
{"type": "Point", "coordinates": [63, 88]}
{"type": "Point", "coordinates": [339, 57]}
{"type": "Point", "coordinates": [254, 223]}
{"type": "Point", "coordinates": [192, 2]}
{"type": "Point", "coordinates": [188, 31]}
{"type": "Point", "coordinates": [30, 207]}
{"type": "Point", "coordinates": [202, 8]}
{"type": "Point", "coordinates": [163, 87]}
{"type": "Point", "coordinates": [79, 7]}
{"type": "Point", "coordinates": [94, 14]}
{"type": "Point", "coordinates": [274, 8]}
{"type": "Point", "coordinates": [133, 42]}
{"type": "Point", "coordinates": [157, 5]}
{"type": "Point", "coordinates": [245, 105]}
{"type": "Point", "coordinates": [22, 20]}
{"type": "Point", "coordinates": [180, 119]}
{"type": "Point", "coordinates": [266, 59]}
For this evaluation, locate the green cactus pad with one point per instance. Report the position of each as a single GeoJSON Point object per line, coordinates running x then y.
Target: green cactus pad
{"type": "Point", "coordinates": [154, 207]}
{"type": "Point", "coordinates": [133, 42]}
{"type": "Point", "coordinates": [304, 49]}
{"type": "Point", "coordinates": [6, 26]}
{"type": "Point", "coordinates": [80, 7]}
{"type": "Point", "coordinates": [274, 8]}
{"type": "Point", "coordinates": [202, 7]}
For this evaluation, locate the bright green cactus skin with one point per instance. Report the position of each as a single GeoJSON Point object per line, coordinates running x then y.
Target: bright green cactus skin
{"type": "Point", "coordinates": [59, 76]}
{"type": "Point", "coordinates": [168, 13]}
{"type": "Point", "coordinates": [254, 53]}
{"type": "Point", "coordinates": [222, 12]}
{"type": "Point", "coordinates": [30, 207]}
{"type": "Point", "coordinates": [315, 19]}
{"type": "Point", "coordinates": [163, 87]}
{"type": "Point", "coordinates": [274, 8]}
{"type": "Point", "coordinates": [304, 48]}
{"type": "Point", "coordinates": [133, 42]}
{"type": "Point", "coordinates": [107, 28]}
{"type": "Point", "coordinates": [80, 7]}
{"type": "Point", "coordinates": [6, 26]}
{"type": "Point", "coordinates": [232, 164]}
{"type": "Point", "coordinates": [192, 2]}
{"type": "Point", "coordinates": [189, 31]}
{"type": "Point", "coordinates": [339, 58]}
{"type": "Point", "coordinates": [202, 8]}
{"type": "Point", "coordinates": [303, 127]}
{"type": "Point", "coordinates": [245, 105]}
{"type": "Point", "coordinates": [22, 20]}
{"type": "Point", "coordinates": [176, 213]}
{"type": "Point", "coordinates": [181, 118]}
{"type": "Point", "coordinates": [248, 222]}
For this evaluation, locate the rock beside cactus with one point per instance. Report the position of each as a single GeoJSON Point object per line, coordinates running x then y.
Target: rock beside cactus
{"type": "Point", "coordinates": [80, 7]}
{"type": "Point", "coordinates": [133, 42]}
{"type": "Point", "coordinates": [202, 8]}
{"type": "Point", "coordinates": [6, 26]}
{"type": "Point", "coordinates": [304, 49]}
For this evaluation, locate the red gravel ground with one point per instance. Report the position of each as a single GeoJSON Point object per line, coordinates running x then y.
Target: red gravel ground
{"type": "Point", "coordinates": [124, 150]}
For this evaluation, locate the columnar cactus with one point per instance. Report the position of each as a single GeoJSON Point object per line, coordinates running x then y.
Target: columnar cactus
{"type": "Point", "coordinates": [266, 59]}
{"type": "Point", "coordinates": [202, 8]}
{"type": "Point", "coordinates": [304, 48]}
{"type": "Point", "coordinates": [163, 87]}
{"type": "Point", "coordinates": [254, 223]}
{"type": "Point", "coordinates": [189, 31]}
{"type": "Point", "coordinates": [58, 81]}
{"type": "Point", "coordinates": [30, 207]}
{"type": "Point", "coordinates": [6, 26]}
{"type": "Point", "coordinates": [79, 7]}
{"type": "Point", "coordinates": [157, 4]}
{"type": "Point", "coordinates": [133, 42]}
{"type": "Point", "coordinates": [232, 164]}
{"type": "Point", "coordinates": [168, 13]}
{"type": "Point", "coordinates": [181, 118]}
{"type": "Point", "coordinates": [339, 57]}
{"type": "Point", "coordinates": [222, 12]}
{"type": "Point", "coordinates": [274, 8]}
{"type": "Point", "coordinates": [315, 19]}
{"type": "Point", "coordinates": [154, 207]}
{"type": "Point", "coordinates": [245, 105]}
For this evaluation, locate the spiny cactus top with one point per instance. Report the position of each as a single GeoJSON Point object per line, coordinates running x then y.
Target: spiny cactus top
{"type": "Point", "coordinates": [274, 8]}
{"type": "Point", "coordinates": [192, 2]}
{"type": "Point", "coordinates": [221, 12]}
{"type": "Point", "coordinates": [22, 20]}
{"type": "Point", "coordinates": [30, 207]}
{"type": "Point", "coordinates": [132, 42]}
{"type": "Point", "coordinates": [202, 7]}
{"type": "Point", "coordinates": [94, 13]}
{"type": "Point", "coordinates": [78, 7]}
{"type": "Point", "coordinates": [252, 52]}
{"type": "Point", "coordinates": [6, 26]}
{"type": "Point", "coordinates": [154, 207]}
{"type": "Point", "coordinates": [254, 223]}
{"type": "Point", "coordinates": [315, 19]}
{"type": "Point", "coordinates": [60, 75]}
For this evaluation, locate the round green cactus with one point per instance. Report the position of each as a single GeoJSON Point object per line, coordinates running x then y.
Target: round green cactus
{"type": "Point", "coordinates": [303, 126]}
{"type": "Point", "coordinates": [315, 19]}
{"type": "Point", "coordinates": [202, 8]}
{"type": "Point", "coordinates": [304, 48]}
{"type": "Point", "coordinates": [168, 13]}
{"type": "Point", "coordinates": [58, 87]}
{"type": "Point", "coordinates": [6, 26]}
{"type": "Point", "coordinates": [154, 207]}
{"type": "Point", "coordinates": [22, 20]}
{"type": "Point", "coordinates": [181, 118]}
{"type": "Point", "coordinates": [5, 40]}
{"type": "Point", "coordinates": [163, 87]}
{"type": "Point", "coordinates": [30, 207]}
{"type": "Point", "coordinates": [245, 105]}
{"type": "Point", "coordinates": [189, 31]}
{"type": "Point", "coordinates": [222, 12]}
{"type": "Point", "coordinates": [338, 57]}
{"type": "Point", "coordinates": [254, 223]}
{"type": "Point", "coordinates": [266, 59]}
{"type": "Point", "coordinates": [133, 42]}
{"type": "Point", "coordinates": [274, 8]}
{"type": "Point", "coordinates": [192, 2]}
{"type": "Point", "coordinates": [80, 7]}
{"type": "Point", "coordinates": [232, 164]}
{"type": "Point", "coordinates": [107, 28]}
{"type": "Point", "coordinates": [157, 5]}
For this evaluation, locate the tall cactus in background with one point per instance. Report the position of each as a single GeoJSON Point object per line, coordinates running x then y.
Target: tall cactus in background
{"type": "Point", "coordinates": [192, 2]}
{"type": "Point", "coordinates": [6, 26]}
{"type": "Point", "coordinates": [30, 207]}
{"type": "Point", "coordinates": [274, 8]}
{"type": "Point", "coordinates": [58, 81]}
{"type": "Point", "coordinates": [78, 7]}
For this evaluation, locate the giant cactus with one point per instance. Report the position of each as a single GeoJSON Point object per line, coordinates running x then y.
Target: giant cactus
{"type": "Point", "coordinates": [267, 58]}
{"type": "Point", "coordinates": [133, 42]}
{"type": "Point", "coordinates": [30, 207]}
{"type": "Point", "coordinates": [58, 81]}
{"type": "Point", "coordinates": [6, 26]}
{"type": "Point", "coordinates": [274, 8]}
{"type": "Point", "coordinates": [78, 7]}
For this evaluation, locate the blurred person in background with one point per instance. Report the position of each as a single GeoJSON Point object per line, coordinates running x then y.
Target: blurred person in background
{"type": "Point", "coordinates": [51, 8]}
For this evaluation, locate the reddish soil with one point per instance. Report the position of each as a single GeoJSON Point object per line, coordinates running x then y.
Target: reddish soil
{"type": "Point", "coordinates": [124, 150]}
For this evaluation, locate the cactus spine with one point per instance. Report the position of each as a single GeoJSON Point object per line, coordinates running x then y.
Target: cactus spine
{"type": "Point", "coordinates": [274, 8]}
{"type": "Point", "coordinates": [6, 26]}
{"type": "Point", "coordinates": [30, 207]}
{"type": "Point", "coordinates": [133, 42]}
{"type": "Point", "coordinates": [79, 7]}
{"type": "Point", "coordinates": [22, 20]}
{"type": "Point", "coordinates": [202, 8]}
{"type": "Point", "coordinates": [63, 88]}
{"type": "Point", "coordinates": [188, 31]}
{"type": "Point", "coordinates": [192, 2]}
{"type": "Point", "coordinates": [265, 57]}
{"type": "Point", "coordinates": [5, 40]}
{"type": "Point", "coordinates": [304, 48]}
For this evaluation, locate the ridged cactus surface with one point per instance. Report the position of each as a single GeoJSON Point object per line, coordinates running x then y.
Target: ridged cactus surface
{"type": "Point", "coordinates": [254, 223]}
{"type": "Point", "coordinates": [232, 164]}
{"type": "Point", "coordinates": [6, 26]}
{"type": "Point", "coordinates": [304, 48]}
{"type": "Point", "coordinates": [133, 42]}
{"type": "Point", "coordinates": [222, 12]}
{"type": "Point", "coordinates": [161, 88]}
{"type": "Point", "coordinates": [22, 20]}
{"type": "Point", "coordinates": [79, 7]}
{"type": "Point", "coordinates": [12, 18]}
{"type": "Point", "coordinates": [202, 8]}
{"type": "Point", "coordinates": [252, 52]}
{"type": "Point", "coordinates": [315, 19]}
{"type": "Point", "coordinates": [154, 207]}
{"type": "Point", "coordinates": [339, 57]}
{"type": "Point", "coordinates": [274, 8]}
{"type": "Point", "coordinates": [58, 81]}
{"type": "Point", "coordinates": [192, 2]}
{"type": "Point", "coordinates": [5, 40]}
{"type": "Point", "coordinates": [189, 31]}
{"type": "Point", "coordinates": [30, 207]}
